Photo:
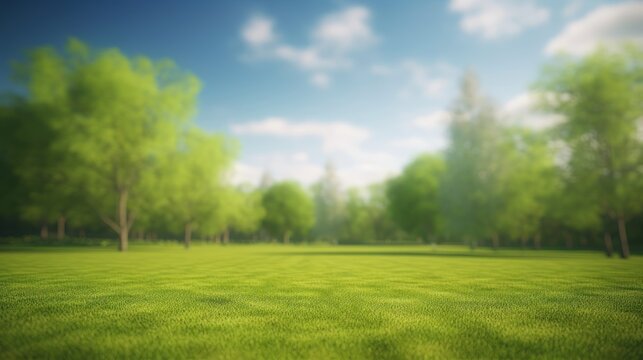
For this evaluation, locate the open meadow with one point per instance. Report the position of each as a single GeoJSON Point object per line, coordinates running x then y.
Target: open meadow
{"type": "Point", "coordinates": [269, 301]}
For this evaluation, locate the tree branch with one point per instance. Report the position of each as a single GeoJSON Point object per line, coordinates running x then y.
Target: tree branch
{"type": "Point", "coordinates": [111, 223]}
{"type": "Point", "coordinates": [130, 221]}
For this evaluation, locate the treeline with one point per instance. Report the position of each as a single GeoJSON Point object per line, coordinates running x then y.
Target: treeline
{"type": "Point", "coordinates": [98, 140]}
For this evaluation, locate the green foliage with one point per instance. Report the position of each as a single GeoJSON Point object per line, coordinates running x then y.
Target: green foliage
{"type": "Point", "coordinates": [246, 210]}
{"type": "Point", "coordinates": [471, 194]}
{"type": "Point", "coordinates": [328, 199]}
{"type": "Point", "coordinates": [600, 99]}
{"type": "Point", "coordinates": [244, 302]}
{"type": "Point", "coordinates": [289, 210]}
{"type": "Point", "coordinates": [366, 216]}
{"type": "Point", "coordinates": [528, 184]}
{"type": "Point", "coordinates": [413, 197]}
{"type": "Point", "coordinates": [100, 125]}
{"type": "Point", "coordinates": [193, 181]}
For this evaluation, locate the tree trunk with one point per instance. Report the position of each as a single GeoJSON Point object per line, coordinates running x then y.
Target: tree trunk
{"type": "Point", "coordinates": [82, 233]}
{"type": "Point", "coordinates": [61, 227]}
{"type": "Point", "coordinates": [188, 235]}
{"type": "Point", "coordinates": [523, 242]}
{"type": "Point", "coordinates": [495, 241]}
{"type": "Point", "coordinates": [609, 246]}
{"type": "Point", "coordinates": [537, 240]}
{"type": "Point", "coordinates": [569, 242]}
{"type": "Point", "coordinates": [622, 234]}
{"type": "Point", "coordinates": [226, 236]}
{"type": "Point", "coordinates": [44, 231]}
{"type": "Point", "coordinates": [287, 237]}
{"type": "Point", "coordinates": [122, 221]}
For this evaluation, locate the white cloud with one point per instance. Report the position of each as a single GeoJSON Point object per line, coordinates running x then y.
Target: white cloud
{"type": "Point", "coordinates": [357, 163]}
{"type": "Point", "coordinates": [494, 19]}
{"type": "Point", "coordinates": [436, 120]}
{"type": "Point", "coordinates": [336, 137]}
{"type": "Point", "coordinates": [280, 166]}
{"type": "Point", "coordinates": [429, 81]}
{"type": "Point", "coordinates": [608, 24]}
{"type": "Point", "coordinates": [307, 58]}
{"type": "Point", "coordinates": [421, 144]}
{"type": "Point", "coordinates": [360, 170]}
{"type": "Point", "coordinates": [258, 31]}
{"type": "Point", "coordinates": [320, 80]}
{"type": "Point", "coordinates": [243, 173]}
{"type": "Point", "coordinates": [435, 127]}
{"type": "Point", "coordinates": [333, 42]}
{"type": "Point", "coordinates": [521, 110]}
{"type": "Point", "coordinates": [347, 29]}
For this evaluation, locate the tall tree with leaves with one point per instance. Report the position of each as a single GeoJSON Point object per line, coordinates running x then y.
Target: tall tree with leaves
{"type": "Point", "coordinates": [41, 170]}
{"type": "Point", "coordinates": [289, 210]}
{"type": "Point", "coordinates": [327, 195]}
{"type": "Point", "coordinates": [600, 99]}
{"type": "Point", "coordinates": [526, 184]}
{"type": "Point", "coordinates": [413, 197]}
{"type": "Point", "coordinates": [193, 178]}
{"type": "Point", "coordinates": [121, 115]}
{"type": "Point", "coordinates": [471, 194]}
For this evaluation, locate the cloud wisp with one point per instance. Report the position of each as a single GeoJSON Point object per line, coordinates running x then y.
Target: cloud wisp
{"type": "Point", "coordinates": [609, 25]}
{"type": "Point", "coordinates": [495, 19]}
{"type": "Point", "coordinates": [332, 44]}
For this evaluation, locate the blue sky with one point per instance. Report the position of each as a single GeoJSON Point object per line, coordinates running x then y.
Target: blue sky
{"type": "Point", "coordinates": [362, 84]}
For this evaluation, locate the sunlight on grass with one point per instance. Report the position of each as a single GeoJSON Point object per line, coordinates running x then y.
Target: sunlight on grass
{"type": "Point", "coordinates": [318, 302]}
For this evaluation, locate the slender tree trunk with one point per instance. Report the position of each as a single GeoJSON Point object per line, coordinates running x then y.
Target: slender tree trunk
{"type": "Point", "coordinates": [188, 235]}
{"type": "Point", "coordinates": [44, 231]}
{"type": "Point", "coordinates": [569, 242]}
{"type": "Point", "coordinates": [609, 246]}
{"type": "Point", "coordinates": [82, 233]}
{"type": "Point", "coordinates": [523, 242]}
{"type": "Point", "coordinates": [622, 234]}
{"type": "Point", "coordinates": [61, 227]}
{"type": "Point", "coordinates": [122, 221]}
{"type": "Point", "coordinates": [537, 241]}
{"type": "Point", "coordinates": [287, 237]}
{"type": "Point", "coordinates": [495, 241]}
{"type": "Point", "coordinates": [226, 236]}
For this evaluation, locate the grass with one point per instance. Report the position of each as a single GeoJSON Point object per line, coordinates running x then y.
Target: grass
{"type": "Point", "coordinates": [318, 302]}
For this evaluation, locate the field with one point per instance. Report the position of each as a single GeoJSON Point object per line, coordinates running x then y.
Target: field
{"type": "Point", "coordinates": [160, 301]}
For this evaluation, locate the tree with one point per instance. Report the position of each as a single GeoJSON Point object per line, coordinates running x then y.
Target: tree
{"type": "Point", "coordinates": [527, 186]}
{"type": "Point", "coordinates": [366, 216]}
{"type": "Point", "coordinates": [246, 210]}
{"type": "Point", "coordinates": [600, 99]}
{"type": "Point", "coordinates": [358, 222]}
{"type": "Point", "coordinates": [413, 197]}
{"type": "Point", "coordinates": [471, 194]}
{"type": "Point", "coordinates": [40, 170]}
{"type": "Point", "coordinates": [120, 116]}
{"type": "Point", "coordinates": [327, 196]}
{"type": "Point", "coordinates": [289, 210]}
{"type": "Point", "coordinates": [193, 179]}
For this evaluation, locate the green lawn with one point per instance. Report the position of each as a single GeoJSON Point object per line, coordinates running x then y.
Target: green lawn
{"type": "Point", "coordinates": [296, 302]}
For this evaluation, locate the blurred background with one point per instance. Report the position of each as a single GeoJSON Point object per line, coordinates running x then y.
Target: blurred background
{"type": "Point", "coordinates": [485, 122]}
